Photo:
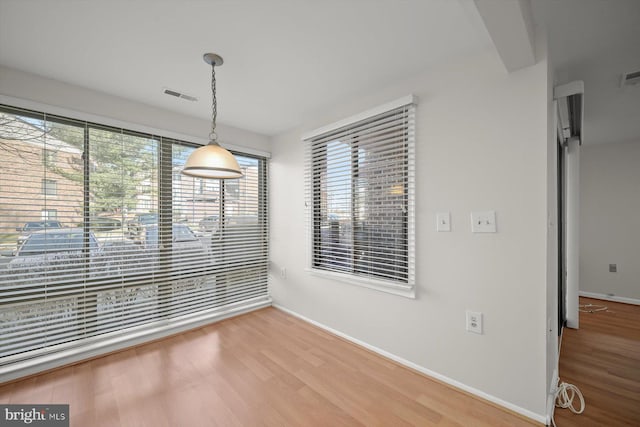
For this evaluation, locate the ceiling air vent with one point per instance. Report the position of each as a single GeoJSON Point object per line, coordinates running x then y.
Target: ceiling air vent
{"type": "Point", "coordinates": [629, 79]}
{"type": "Point", "coordinates": [179, 95]}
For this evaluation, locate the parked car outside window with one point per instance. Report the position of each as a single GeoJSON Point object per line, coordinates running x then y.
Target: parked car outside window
{"type": "Point", "coordinates": [55, 241]}
{"type": "Point", "coordinates": [182, 235]}
{"type": "Point", "coordinates": [209, 223]}
{"type": "Point", "coordinates": [57, 255]}
{"type": "Point", "coordinates": [52, 249]}
{"type": "Point", "coordinates": [104, 223]}
{"type": "Point", "coordinates": [32, 226]}
{"type": "Point", "coordinates": [136, 226]}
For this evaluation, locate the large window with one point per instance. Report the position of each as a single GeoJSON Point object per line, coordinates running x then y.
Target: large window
{"type": "Point", "coordinates": [128, 243]}
{"type": "Point", "coordinates": [360, 179]}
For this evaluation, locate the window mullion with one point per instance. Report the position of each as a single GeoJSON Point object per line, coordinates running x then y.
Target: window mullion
{"type": "Point", "coordinates": [355, 173]}
{"type": "Point", "coordinates": [165, 225]}
{"type": "Point", "coordinates": [88, 300]}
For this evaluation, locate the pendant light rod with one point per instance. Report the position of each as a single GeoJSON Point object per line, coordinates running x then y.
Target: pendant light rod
{"type": "Point", "coordinates": [213, 60]}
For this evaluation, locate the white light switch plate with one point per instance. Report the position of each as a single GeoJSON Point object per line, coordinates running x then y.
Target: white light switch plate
{"type": "Point", "coordinates": [483, 222]}
{"type": "Point", "coordinates": [443, 221]}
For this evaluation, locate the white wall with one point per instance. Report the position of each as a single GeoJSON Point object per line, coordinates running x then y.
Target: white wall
{"type": "Point", "coordinates": [552, 242]}
{"type": "Point", "coordinates": [30, 88]}
{"type": "Point", "coordinates": [481, 145]}
{"type": "Point", "coordinates": [609, 219]}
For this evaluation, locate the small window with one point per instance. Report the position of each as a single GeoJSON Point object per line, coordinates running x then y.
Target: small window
{"type": "Point", "coordinates": [49, 187]}
{"type": "Point", "coordinates": [49, 214]}
{"type": "Point", "coordinates": [360, 179]}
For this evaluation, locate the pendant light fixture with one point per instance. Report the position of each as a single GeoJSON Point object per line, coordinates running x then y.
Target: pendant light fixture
{"type": "Point", "coordinates": [212, 160]}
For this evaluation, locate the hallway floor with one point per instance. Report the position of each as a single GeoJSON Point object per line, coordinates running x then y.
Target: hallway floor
{"type": "Point", "coordinates": [602, 359]}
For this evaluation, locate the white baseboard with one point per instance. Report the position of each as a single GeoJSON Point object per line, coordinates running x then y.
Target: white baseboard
{"type": "Point", "coordinates": [508, 405]}
{"type": "Point", "coordinates": [606, 297]}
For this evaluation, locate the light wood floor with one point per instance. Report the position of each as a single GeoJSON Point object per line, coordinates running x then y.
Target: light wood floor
{"type": "Point", "coordinates": [602, 358]}
{"type": "Point", "coordinates": [262, 368]}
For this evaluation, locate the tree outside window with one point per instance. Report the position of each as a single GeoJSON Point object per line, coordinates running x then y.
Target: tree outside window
{"type": "Point", "coordinates": [49, 157]}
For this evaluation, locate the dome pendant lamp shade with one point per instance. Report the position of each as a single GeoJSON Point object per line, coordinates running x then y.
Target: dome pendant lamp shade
{"type": "Point", "coordinates": [212, 161]}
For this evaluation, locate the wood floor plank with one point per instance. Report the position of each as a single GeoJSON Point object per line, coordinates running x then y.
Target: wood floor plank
{"type": "Point", "coordinates": [262, 368]}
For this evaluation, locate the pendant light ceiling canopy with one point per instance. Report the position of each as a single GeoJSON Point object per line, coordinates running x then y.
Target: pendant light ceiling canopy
{"type": "Point", "coordinates": [212, 160]}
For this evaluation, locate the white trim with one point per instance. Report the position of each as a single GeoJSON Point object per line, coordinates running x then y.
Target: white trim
{"type": "Point", "coordinates": [411, 199]}
{"type": "Point", "coordinates": [568, 89]}
{"type": "Point", "coordinates": [405, 100]}
{"type": "Point", "coordinates": [108, 343]}
{"type": "Point", "coordinates": [522, 411]}
{"type": "Point", "coordinates": [406, 291]}
{"type": "Point", "coordinates": [551, 397]}
{"type": "Point", "coordinates": [572, 230]}
{"type": "Point", "coordinates": [613, 298]}
{"type": "Point", "coordinates": [103, 120]}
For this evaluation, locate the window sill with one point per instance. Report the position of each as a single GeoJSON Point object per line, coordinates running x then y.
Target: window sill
{"type": "Point", "coordinates": [406, 291]}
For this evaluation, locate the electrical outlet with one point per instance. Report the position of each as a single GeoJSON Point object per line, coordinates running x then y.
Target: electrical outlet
{"type": "Point", "coordinates": [474, 322]}
{"type": "Point", "coordinates": [283, 273]}
{"type": "Point", "coordinates": [613, 268]}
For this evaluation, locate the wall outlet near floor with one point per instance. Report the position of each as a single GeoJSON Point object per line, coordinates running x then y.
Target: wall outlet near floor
{"type": "Point", "coordinates": [474, 322]}
{"type": "Point", "coordinates": [613, 268]}
{"type": "Point", "coordinates": [283, 273]}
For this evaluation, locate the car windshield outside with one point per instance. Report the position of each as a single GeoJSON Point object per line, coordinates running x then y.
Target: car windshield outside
{"type": "Point", "coordinates": [55, 241]}
{"type": "Point", "coordinates": [39, 225]}
{"type": "Point", "coordinates": [150, 218]}
{"type": "Point", "coordinates": [209, 223]}
{"type": "Point", "coordinates": [181, 233]}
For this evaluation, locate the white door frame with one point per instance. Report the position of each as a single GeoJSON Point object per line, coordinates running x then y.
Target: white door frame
{"type": "Point", "coordinates": [572, 229]}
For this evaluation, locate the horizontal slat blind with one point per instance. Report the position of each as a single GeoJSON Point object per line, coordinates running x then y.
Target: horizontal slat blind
{"type": "Point", "coordinates": [100, 232]}
{"type": "Point", "coordinates": [360, 197]}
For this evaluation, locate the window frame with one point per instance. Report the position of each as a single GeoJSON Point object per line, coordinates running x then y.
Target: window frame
{"type": "Point", "coordinates": [312, 204]}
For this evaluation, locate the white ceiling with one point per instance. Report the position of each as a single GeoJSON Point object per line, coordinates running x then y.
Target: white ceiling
{"type": "Point", "coordinates": [596, 41]}
{"type": "Point", "coordinates": [284, 60]}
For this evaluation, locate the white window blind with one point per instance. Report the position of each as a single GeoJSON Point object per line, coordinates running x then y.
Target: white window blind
{"type": "Point", "coordinates": [133, 242]}
{"type": "Point", "coordinates": [360, 197]}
